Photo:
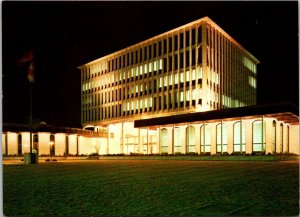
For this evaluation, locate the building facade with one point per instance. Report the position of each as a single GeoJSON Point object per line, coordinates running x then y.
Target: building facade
{"type": "Point", "coordinates": [191, 90]}
{"type": "Point", "coordinates": [195, 68]}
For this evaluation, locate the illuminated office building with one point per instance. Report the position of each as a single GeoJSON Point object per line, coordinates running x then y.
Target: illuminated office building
{"type": "Point", "coordinates": [194, 68]}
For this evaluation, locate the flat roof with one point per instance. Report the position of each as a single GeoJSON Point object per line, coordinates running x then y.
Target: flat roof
{"type": "Point", "coordinates": [206, 19]}
{"type": "Point", "coordinates": [285, 112]}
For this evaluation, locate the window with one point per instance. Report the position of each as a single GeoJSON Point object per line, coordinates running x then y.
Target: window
{"type": "Point", "coordinates": [258, 136]}
{"type": "Point", "coordinates": [181, 41]}
{"type": "Point", "coordinates": [170, 44]}
{"type": "Point", "coordinates": [221, 138]}
{"type": "Point", "coordinates": [19, 144]}
{"type": "Point", "coordinates": [187, 38]}
{"type": "Point", "coordinates": [164, 140]}
{"type": "Point", "coordinates": [190, 139]}
{"type": "Point", "coordinates": [176, 43]}
{"type": "Point", "coordinates": [177, 142]}
{"type": "Point", "coordinates": [52, 145]}
{"type": "Point", "coordinates": [205, 139]}
{"type": "Point", "coordinates": [239, 137]}
{"type": "Point", "coordinates": [199, 38]}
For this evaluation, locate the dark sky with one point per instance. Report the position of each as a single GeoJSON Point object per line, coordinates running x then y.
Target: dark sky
{"type": "Point", "coordinates": [64, 35]}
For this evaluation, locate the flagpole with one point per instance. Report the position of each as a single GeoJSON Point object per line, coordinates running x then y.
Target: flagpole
{"type": "Point", "coordinates": [30, 116]}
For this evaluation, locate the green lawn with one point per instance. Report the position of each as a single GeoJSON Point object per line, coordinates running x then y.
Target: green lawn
{"type": "Point", "coordinates": [152, 188]}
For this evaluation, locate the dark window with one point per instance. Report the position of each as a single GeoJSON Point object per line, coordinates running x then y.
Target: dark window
{"type": "Point", "coordinates": [193, 57]}
{"type": "Point", "coordinates": [187, 58]}
{"type": "Point", "coordinates": [136, 57]}
{"type": "Point", "coordinates": [150, 52]}
{"type": "Point", "coordinates": [176, 42]}
{"type": "Point", "coordinates": [154, 50]}
{"type": "Point", "coordinates": [187, 38]}
{"type": "Point", "coordinates": [165, 46]}
{"type": "Point", "coordinates": [175, 62]}
{"type": "Point", "coordinates": [19, 144]}
{"type": "Point", "coordinates": [170, 63]}
{"type": "Point", "coordinates": [181, 60]}
{"type": "Point", "coordinates": [170, 44]}
{"type": "Point", "coordinates": [181, 40]}
{"type": "Point", "coordinates": [141, 52]}
{"type": "Point", "coordinates": [159, 48]}
{"type": "Point", "coordinates": [145, 53]}
{"type": "Point", "coordinates": [193, 36]}
{"type": "Point", "coordinates": [199, 34]}
{"type": "Point", "coordinates": [200, 55]}
{"type": "Point", "coordinates": [165, 64]}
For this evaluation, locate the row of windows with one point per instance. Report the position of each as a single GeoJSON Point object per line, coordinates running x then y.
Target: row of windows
{"type": "Point", "coordinates": [239, 138]}
{"type": "Point", "coordinates": [142, 71]}
{"type": "Point", "coordinates": [163, 80]}
{"type": "Point", "coordinates": [157, 48]}
{"type": "Point", "coordinates": [219, 45]}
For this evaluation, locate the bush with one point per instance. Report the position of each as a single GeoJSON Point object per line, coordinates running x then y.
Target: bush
{"type": "Point", "coordinates": [47, 160]}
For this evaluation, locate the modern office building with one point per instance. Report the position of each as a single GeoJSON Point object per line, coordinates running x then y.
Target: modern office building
{"type": "Point", "coordinates": [189, 90]}
{"type": "Point", "coordinates": [196, 68]}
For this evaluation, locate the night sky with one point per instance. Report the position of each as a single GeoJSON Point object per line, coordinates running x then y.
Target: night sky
{"type": "Point", "coordinates": [65, 35]}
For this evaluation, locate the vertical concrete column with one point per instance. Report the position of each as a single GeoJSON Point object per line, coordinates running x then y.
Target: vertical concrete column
{"type": "Point", "coordinates": [278, 139]}
{"type": "Point", "coordinates": [183, 139]}
{"type": "Point", "coordinates": [158, 140]}
{"type": "Point", "coordinates": [269, 132]}
{"type": "Point", "coordinates": [122, 139]}
{"type": "Point", "coordinates": [139, 141]}
{"type": "Point", "coordinates": [248, 126]}
{"type": "Point", "coordinates": [107, 146]}
{"type": "Point", "coordinates": [285, 138]}
{"type": "Point", "coordinates": [213, 138]}
{"type": "Point", "coordinates": [170, 135]}
{"type": "Point", "coordinates": [77, 145]}
{"type": "Point", "coordinates": [147, 140]}
{"type": "Point", "coordinates": [230, 137]}
{"type": "Point", "coordinates": [173, 138]}
{"type": "Point", "coordinates": [197, 138]}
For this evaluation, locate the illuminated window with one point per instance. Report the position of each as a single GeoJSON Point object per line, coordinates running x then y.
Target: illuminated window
{"type": "Point", "coordinates": [160, 64]}
{"type": "Point", "coordinates": [190, 139]}
{"type": "Point", "coordinates": [239, 137]}
{"type": "Point", "coordinates": [221, 138]}
{"type": "Point", "coordinates": [165, 81]}
{"type": "Point", "coordinates": [170, 79]}
{"type": "Point", "coordinates": [187, 94]}
{"type": "Point", "coordinates": [141, 70]}
{"type": "Point", "coordinates": [187, 76]}
{"type": "Point", "coordinates": [164, 140]}
{"type": "Point", "coordinates": [205, 139]}
{"type": "Point", "coordinates": [259, 136]}
{"type": "Point", "coordinates": [155, 66]}
{"type": "Point", "coordinates": [177, 140]}
{"type": "Point", "coordinates": [193, 74]}
{"type": "Point", "coordinates": [176, 78]}
{"type": "Point", "coordinates": [181, 77]}
{"type": "Point", "coordinates": [181, 96]}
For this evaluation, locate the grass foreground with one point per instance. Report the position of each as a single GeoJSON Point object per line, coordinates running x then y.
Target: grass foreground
{"type": "Point", "coordinates": [152, 188]}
